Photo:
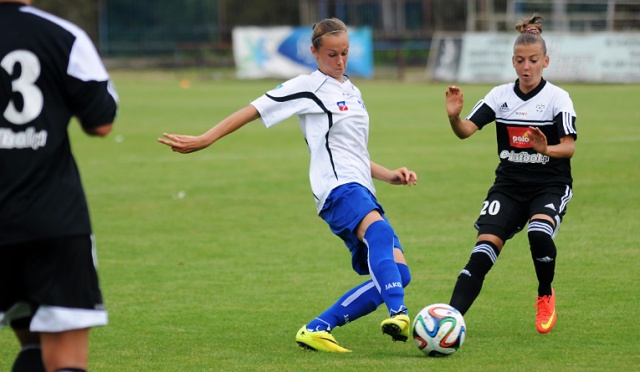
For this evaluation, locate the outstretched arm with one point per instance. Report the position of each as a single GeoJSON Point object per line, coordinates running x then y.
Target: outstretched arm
{"type": "Point", "coordinates": [455, 101]}
{"type": "Point", "coordinates": [400, 176]}
{"type": "Point", "coordinates": [185, 144]}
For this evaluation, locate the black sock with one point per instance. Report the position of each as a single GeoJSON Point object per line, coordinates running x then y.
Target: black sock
{"type": "Point", "coordinates": [543, 253]}
{"type": "Point", "coordinates": [28, 360]}
{"type": "Point", "coordinates": [469, 283]}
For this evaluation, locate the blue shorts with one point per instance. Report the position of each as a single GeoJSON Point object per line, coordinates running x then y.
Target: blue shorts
{"type": "Point", "coordinates": [343, 210]}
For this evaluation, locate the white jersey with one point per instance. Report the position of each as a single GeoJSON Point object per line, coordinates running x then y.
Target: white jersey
{"type": "Point", "coordinates": [335, 125]}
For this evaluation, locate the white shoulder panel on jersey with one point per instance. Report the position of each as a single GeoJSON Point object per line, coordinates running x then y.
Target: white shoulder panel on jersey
{"type": "Point", "coordinates": [498, 94]}
{"type": "Point", "coordinates": [302, 83]}
{"type": "Point", "coordinates": [299, 94]}
{"type": "Point", "coordinates": [84, 61]}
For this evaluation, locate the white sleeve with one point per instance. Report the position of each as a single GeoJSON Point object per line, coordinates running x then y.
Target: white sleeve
{"type": "Point", "coordinates": [84, 61]}
{"type": "Point", "coordinates": [294, 97]}
{"type": "Point", "coordinates": [564, 114]}
{"type": "Point", "coordinates": [563, 103]}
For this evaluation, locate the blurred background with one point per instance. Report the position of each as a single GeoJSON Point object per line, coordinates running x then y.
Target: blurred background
{"type": "Point", "coordinates": [405, 34]}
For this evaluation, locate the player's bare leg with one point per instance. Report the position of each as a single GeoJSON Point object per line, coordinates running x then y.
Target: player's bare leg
{"type": "Point", "coordinates": [69, 349]}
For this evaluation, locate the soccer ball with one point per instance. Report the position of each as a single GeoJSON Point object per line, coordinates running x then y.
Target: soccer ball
{"type": "Point", "coordinates": [439, 330]}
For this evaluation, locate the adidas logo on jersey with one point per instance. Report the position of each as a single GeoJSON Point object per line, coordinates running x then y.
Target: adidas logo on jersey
{"type": "Point", "coordinates": [504, 107]}
{"type": "Point", "coordinates": [550, 206]}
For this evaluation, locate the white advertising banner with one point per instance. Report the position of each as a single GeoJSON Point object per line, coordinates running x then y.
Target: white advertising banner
{"type": "Point", "coordinates": [606, 57]}
{"type": "Point", "coordinates": [283, 52]}
{"type": "Point", "coordinates": [486, 57]}
{"type": "Point", "coordinates": [255, 53]}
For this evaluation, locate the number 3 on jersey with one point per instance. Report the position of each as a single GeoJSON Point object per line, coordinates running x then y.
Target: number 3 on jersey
{"type": "Point", "coordinates": [24, 85]}
{"type": "Point", "coordinates": [492, 207]}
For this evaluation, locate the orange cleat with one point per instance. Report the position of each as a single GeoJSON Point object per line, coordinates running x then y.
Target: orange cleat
{"type": "Point", "coordinates": [546, 315]}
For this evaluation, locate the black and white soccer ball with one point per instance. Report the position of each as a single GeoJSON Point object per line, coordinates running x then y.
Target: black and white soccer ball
{"type": "Point", "coordinates": [439, 330]}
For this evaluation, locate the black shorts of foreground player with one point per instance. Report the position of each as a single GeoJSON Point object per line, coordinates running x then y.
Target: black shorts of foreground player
{"type": "Point", "coordinates": [536, 132]}
{"type": "Point", "coordinates": [335, 125]}
{"type": "Point", "coordinates": [49, 291]}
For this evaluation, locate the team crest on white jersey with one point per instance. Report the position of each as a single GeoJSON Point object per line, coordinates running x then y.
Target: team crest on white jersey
{"type": "Point", "coordinates": [540, 107]}
{"type": "Point", "coordinates": [342, 106]}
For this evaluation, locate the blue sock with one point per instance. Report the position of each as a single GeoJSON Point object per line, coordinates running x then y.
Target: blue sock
{"type": "Point", "coordinates": [405, 274]}
{"type": "Point", "coordinates": [382, 267]}
{"type": "Point", "coordinates": [356, 303]}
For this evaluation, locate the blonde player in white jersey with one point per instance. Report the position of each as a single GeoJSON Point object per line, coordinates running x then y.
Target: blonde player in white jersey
{"type": "Point", "coordinates": [536, 134]}
{"type": "Point", "coordinates": [335, 125]}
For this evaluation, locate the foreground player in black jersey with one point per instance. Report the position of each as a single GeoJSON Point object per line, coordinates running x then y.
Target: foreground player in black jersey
{"type": "Point", "coordinates": [535, 128]}
{"type": "Point", "coordinates": [49, 292]}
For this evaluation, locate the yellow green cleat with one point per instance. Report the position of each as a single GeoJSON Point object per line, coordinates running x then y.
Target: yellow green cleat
{"type": "Point", "coordinates": [398, 327]}
{"type": "Point", "coordinates": [318, 341]}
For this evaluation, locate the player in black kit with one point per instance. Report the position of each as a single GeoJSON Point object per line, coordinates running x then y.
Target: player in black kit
{"type": "Point", "coordinates": [49, 290]}
{"type": "Point", "coordinates": [535, 128]}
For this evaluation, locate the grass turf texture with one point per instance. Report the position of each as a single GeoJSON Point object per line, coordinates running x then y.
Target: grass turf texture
{"type": "Point", "coordinates": [223, 277]}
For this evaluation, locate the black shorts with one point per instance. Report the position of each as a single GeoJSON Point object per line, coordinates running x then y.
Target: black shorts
{"type": "Point", "coordinates": [506, 210]}
{"type": "Point", "coordinates": [51, 285]}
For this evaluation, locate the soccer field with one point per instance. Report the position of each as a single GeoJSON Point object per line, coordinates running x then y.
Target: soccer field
{"type": "Point", "coordinates": [212, 261]}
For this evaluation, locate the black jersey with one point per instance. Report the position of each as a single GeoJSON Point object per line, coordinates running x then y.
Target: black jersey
{"type": "Point", "coordinates": [49, 72]}
{"type": "Point", "coordinates": [547, 107]}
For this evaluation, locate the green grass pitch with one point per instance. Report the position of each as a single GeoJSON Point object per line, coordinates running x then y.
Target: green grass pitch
{"type": "Point", "coordinates": [212, 261]}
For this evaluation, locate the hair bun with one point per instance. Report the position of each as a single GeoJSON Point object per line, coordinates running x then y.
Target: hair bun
{"type": "Point", "coordinates": [533, 30]}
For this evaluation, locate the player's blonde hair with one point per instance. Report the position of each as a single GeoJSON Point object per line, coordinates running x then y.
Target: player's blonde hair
{"type": "Point", "coordinates": [327, 26]}
{"type": "Point", "coordinates": [530, 30]}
